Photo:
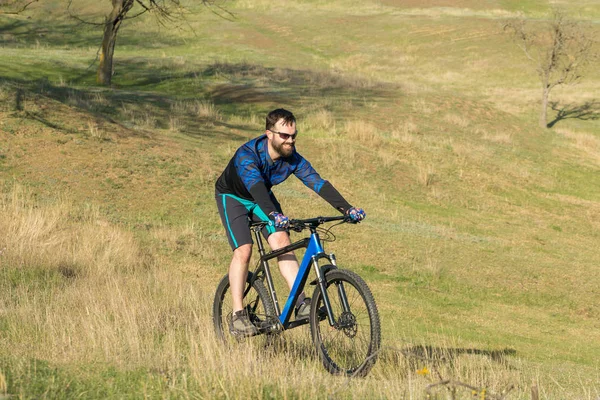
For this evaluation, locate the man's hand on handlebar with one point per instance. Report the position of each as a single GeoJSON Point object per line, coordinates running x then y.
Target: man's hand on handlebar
{"type": "Point", "coordinates": [280, 220]}
{"type": "Point", "coordinates": [355, 214]}
{"type": "Point", "coordinates": [352, 215]}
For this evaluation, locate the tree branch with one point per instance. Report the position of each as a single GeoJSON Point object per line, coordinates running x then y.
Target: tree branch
{"type": "Point", "coordinates": [81, 20]}
{"type": "Point", "coordinates": [18, 11]}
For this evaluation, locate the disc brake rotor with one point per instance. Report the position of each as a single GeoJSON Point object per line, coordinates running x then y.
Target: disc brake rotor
{"type": "Point", "coordinates": [347, 324]}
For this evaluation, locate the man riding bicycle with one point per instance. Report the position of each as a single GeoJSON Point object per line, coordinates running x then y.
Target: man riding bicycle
{"type": "Point", "coordinates": [244, 190]}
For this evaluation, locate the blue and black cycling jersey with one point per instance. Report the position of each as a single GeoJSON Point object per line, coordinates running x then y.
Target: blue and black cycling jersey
{"type": "Point", "coordinates": [252, 173]}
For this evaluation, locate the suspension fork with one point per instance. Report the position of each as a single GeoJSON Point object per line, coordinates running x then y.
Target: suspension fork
{"type": "Point", "coordinates": [340, 287]}
{"type": "Point", "coordinates": [322, 282]}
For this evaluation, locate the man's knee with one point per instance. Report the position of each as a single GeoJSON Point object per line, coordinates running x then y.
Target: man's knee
{"type": "Point", "coordinates": [278, 240]}
{"type": "Point", "coordinates": [243, 253]}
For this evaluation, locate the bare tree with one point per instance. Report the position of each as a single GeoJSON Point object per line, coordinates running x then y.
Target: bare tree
{"type": "Point", "coordinates": [560, 52]}
{"type": "Point", "coordinates": [165, 12]}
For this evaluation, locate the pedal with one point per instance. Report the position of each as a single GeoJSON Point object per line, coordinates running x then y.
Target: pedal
{"type": "Point", "coordinates": [268, 325]}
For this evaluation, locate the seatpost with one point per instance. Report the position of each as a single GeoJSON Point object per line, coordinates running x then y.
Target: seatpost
{"type": "Point", "coordinates": [266, 269]}
{"type": "Point", "coordinates": [259, 243]}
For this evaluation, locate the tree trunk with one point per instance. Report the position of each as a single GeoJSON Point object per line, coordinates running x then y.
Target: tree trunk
{"type": "Point", "coordinates": [544, 110]}
{"type": "Point", "coordinates": [111, 28]}
{"type": "Point", "coordinates": [105, 69]}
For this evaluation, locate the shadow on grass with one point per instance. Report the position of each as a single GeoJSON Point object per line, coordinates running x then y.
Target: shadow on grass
{"type": "Point", "coordinates": [158, 94]}
{"type": "Point", "coordinates": [418, 355]}
{"type": "Point", "coordinates": [62, 107]}
{"type": "Point", "coordinates": [234, 83]}
{"type": "Point", "coordinates": [290, 348]}
{"type": "Point", "coordinates": [52, 33]}
{"type": "Point", "coordinates": [590, 110]}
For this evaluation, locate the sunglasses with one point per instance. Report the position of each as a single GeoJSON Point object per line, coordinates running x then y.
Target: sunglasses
{"type": "Point", "coordinates": [285, 136]}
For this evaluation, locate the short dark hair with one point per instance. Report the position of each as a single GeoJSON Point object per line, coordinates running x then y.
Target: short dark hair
{"type": "Point", "coordinates": [276, 115]}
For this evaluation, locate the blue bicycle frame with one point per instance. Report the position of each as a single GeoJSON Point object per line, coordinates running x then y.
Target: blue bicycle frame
{"type": "Point", "coordinates": [314, 252]}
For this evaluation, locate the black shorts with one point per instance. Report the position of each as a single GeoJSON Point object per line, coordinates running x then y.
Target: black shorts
{"type": "Point", "coordinates": [234, 212]}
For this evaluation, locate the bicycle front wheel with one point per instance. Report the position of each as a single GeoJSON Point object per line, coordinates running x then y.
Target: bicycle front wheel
{"type": "Point", "coordinates": [349, 347]}
{"type": "Point", "coordinates": [257, 301]}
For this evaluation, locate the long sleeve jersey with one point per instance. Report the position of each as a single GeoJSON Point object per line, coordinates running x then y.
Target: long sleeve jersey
{"type": "Point", "coordinates": [252, 173]}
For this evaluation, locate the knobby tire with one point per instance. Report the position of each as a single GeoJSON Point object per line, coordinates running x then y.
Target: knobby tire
{"type": "Point", "coordinates": [351, 350]}
{"type": "Point", "coordinates": [257, 298]}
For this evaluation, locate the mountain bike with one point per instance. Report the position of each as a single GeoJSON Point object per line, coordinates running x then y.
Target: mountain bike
{"type": "Point", "coordinates": [344, 321]}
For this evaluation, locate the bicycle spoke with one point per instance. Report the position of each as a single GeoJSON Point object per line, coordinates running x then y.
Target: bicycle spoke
{"type": "Point", "coordinates": [347, 347]}
{"type": "Point", "coordinates": [257, 301]}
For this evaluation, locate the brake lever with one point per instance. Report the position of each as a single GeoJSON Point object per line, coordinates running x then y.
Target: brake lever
{"type": "Point", "coordinates": [297, 226]}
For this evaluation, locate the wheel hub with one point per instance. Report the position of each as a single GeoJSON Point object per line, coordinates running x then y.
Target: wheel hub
{"type": "Point", "coordinates": [347, 324]}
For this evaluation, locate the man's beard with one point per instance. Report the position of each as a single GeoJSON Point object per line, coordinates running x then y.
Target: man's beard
{"type": "Point", "coordinates": [284, 149]}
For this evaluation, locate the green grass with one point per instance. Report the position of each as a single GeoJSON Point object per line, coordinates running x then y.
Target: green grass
{"type": "Point", "coordinates": [481, 233]}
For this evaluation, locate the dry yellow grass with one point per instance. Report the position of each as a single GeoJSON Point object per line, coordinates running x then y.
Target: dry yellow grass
{"type": "Point", "coordinates": [102, 299]}
{"type": "Point", "coordinates": [207, 109]}
{"type": "Point", "coordinates": [143, 118]}
{"type": "Point", "coordinates": [586, 143]}
{"type": "Point", "coordinates": [495, 135]}
{"type": "Point", "coordinates": [407, 132]}
{"type": "Point", "coordinates": [3, 386]}
{"type": "Point", "coordinates": [460, 121]}
{"type": "Point", "coordinates": [362, 131]}
{"type": "Point", "coordinates": [477, 239]}
{"type": "Point", "coordinates": [43, 237]}
{"type": "Point", "coordinates": [322, 120]}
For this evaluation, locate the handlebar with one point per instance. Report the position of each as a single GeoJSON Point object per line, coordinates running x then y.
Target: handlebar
{"type": "Point", "coordinates": [300, 224]}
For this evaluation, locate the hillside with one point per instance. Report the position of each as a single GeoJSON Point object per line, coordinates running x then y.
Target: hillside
{"type": "Point", "coordinates": [481, 231]}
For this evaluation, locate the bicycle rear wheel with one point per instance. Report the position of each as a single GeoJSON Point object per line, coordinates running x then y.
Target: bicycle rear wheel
{"type": "Point", "coordinates": [257, 301]}
{"type": "Point", "coordinates": [350, 347]}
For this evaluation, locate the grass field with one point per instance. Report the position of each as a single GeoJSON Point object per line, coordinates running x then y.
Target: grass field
{"type": "Point", "coordinates": [480, 243]}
